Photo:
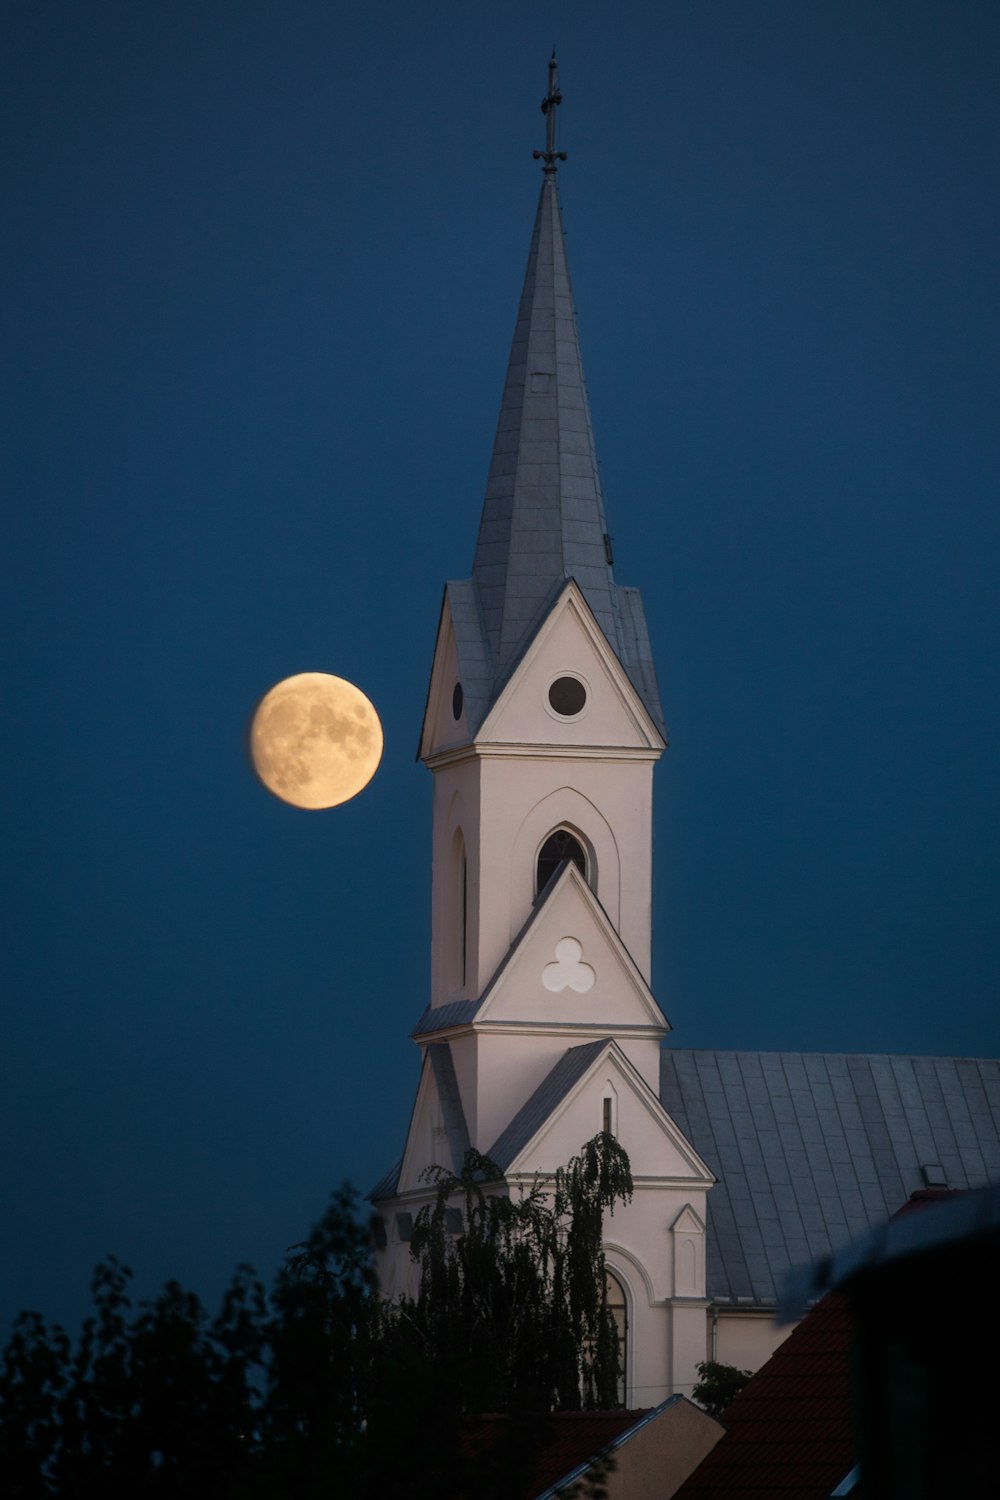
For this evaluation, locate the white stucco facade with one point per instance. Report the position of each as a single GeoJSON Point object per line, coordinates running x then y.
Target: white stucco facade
{"type": "Point", "coordinates": [551, 971]}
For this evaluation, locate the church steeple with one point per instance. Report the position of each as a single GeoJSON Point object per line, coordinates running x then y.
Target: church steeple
{"type": "Point", "coordinates": [542, 729]}
{"type": "Point", "coordinates": [543, 518]}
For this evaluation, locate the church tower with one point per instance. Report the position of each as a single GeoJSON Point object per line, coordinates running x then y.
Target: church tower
{"type": "Point", "coordinates": [542, 729]}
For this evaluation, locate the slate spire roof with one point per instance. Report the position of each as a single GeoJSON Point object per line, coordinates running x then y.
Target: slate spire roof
{"type": "Point", "coordinates": [543, 519]}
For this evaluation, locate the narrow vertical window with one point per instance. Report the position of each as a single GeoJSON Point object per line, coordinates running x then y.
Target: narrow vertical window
{"type": "Point", "coordinates": [465, 914]}
{"type": "Point", "coordinates": [606, 1126]}
{"type": "Point", "coordinates": [455, 915]}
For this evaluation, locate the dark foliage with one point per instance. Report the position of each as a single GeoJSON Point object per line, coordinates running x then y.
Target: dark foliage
{"type": "Point", "coordinates": [320, 1387]}
{"type": "Point", "coordinates": [718, 1385]}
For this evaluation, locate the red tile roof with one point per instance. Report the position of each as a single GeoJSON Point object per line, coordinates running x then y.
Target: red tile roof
{"type": "Point", "coordinates": [788, 1433]}
{"type": "Point", "coordinates": [576, 1437]}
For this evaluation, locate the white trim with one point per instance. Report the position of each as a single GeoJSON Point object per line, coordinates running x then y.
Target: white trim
{"type": "Point", "coordinates": [523, 750]}
{"type": "Point", "coordinates": [572, 599]}
{"type": "Point", "coordinates": [642, 1092]}
{"type": "Point", "coordinates": [588, 694]}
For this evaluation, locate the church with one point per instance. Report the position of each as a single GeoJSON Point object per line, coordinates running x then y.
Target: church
{"type": "Point", "coordinates": [542, 729]}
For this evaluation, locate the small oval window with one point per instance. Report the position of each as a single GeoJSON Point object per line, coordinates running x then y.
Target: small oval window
{"type": "Point", "coordinates": [457, 699]}
{"type": "Point", "coordinates": [567, 696]}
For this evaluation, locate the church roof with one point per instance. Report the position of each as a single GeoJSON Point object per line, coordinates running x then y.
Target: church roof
{"type": "Point", "coordinates": [547, 1097]}
{"type": "Point", "coordinates": [543, 518]}
{"type": "Point", "coordinates": [441, 1017]}
{"type": "Point", "coordinates": [387, 1185]}
{"type": "Point", "coordinates": [810, 1149]}
{"type": "Point", "coordinates": [450, 1098]}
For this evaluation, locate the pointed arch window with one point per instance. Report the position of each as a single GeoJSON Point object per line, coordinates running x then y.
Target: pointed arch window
{"type": "Point", "coordinates": [465, 915]}
{"type": "Point", "coordinates": [559, 846]}
{"type": "Point", "coordinates": [618, 1308]}
{"type": "Point", "coordinates": [456, 929]}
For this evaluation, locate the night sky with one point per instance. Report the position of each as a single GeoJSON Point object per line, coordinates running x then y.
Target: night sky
{"type": "Point", "coordinates": [261, 267]}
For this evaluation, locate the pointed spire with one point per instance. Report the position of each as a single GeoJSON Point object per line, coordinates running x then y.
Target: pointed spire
{"type": "Point", "coordinates": [543, 516]}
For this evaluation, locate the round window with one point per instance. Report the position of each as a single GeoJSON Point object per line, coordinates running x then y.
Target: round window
{"type": "Point", "coordinates": [457, 699]}
{"type": "Point", "coordinates": [567, 697]}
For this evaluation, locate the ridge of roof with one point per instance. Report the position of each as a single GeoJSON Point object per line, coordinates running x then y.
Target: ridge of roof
{"type": "Point", "coordinates": [450, 1097]}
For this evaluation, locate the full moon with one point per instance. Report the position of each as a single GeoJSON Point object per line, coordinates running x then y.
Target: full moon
{"type": "Point", "coordinates": [315, 740]}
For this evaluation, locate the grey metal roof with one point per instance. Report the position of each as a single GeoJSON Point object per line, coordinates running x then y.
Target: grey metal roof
{"type": "Point", "coordinates": [439, 1017]}
{"type": "Point", "coordinates": [543, 516]}
{"type": "Point", "coordinates": [548, 1096]}
{"type": "Point", "coordinates": [387, 1185]}
{"type": "Point", "coordinates": [811, 1149]}
{"type": "Point", "coordinates": [953, 1219]}
{"type": "Point", "coordinates": [475, 661]}
{"type": "Point", "coordinates": [450, 1098]}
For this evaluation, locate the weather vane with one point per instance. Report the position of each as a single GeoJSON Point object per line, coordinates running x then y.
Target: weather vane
{"type": "Point", "coordinates": [550, 155]}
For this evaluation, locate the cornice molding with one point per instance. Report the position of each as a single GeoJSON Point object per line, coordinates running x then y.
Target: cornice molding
{"type": "Point", "coordinates": [460, 753]}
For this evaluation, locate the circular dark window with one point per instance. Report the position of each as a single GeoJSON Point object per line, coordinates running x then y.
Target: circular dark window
{"type": "Point", "coordinates": [567, 696]}
{"type": "Point", "coordinates": [457, 699]}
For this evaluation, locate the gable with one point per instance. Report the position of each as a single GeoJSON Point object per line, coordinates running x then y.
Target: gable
{"type": "Point", "coordinates": [570, 967]}
{"type": "Point", "coordinates": [442, 729]}
{"type": "Point", "coordinates": [569, 644]}
{"type": "Point", "coordinates": [438, 1135]}
{"type": "Point", "coordinates": [567, 1109]}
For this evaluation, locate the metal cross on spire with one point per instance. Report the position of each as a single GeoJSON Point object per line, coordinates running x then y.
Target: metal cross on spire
{"type": "Point", "coordinates": [550, 155]}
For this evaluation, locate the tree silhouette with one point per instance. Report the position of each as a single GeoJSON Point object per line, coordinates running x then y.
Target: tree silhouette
{"type": "Point", "coordinates": [321, 1386]}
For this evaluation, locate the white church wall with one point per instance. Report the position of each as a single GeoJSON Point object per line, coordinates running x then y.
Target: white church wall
{"type": "Point", "coordinates": [515, 817]}
{"type": "Point", "coordinates": [453, 931]}
{"type": "Point", "coordinates": [746, 1339]}
{"type": "Point", "coordinates": [687, 1345]}
{"type": "Point", "coordinates": [567, 807]}
{"type": "Point", "coordinates": [508, 1073]}
{"type": "Point", "coordinates": [666, 1333]}
{"type": "Point", "coordinates": [504, 809]}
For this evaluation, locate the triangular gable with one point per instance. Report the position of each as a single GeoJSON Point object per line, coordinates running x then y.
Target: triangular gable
{"type": "Point", "coordinates": [569, 966]}
{"type": "Point", "coordinates": [438, 1134]}
{"type": "Point", "coordinates": [440, 728]}
{"type": "Point", "coordinates": [460, 657]}
{"type": "Point", "coordinates": [687, 1222]}
{"type": "Point", "coordinates": [570, 642]}
{"type": "Point", "coordinates": [565, 1110]}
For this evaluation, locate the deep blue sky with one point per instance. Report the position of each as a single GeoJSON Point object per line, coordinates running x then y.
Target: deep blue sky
{"type": "Point", "coordinates": [261, 265]}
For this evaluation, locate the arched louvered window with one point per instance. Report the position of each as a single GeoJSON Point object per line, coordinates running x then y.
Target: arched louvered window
{"type": "Point", "coordinates": [558, 846]}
